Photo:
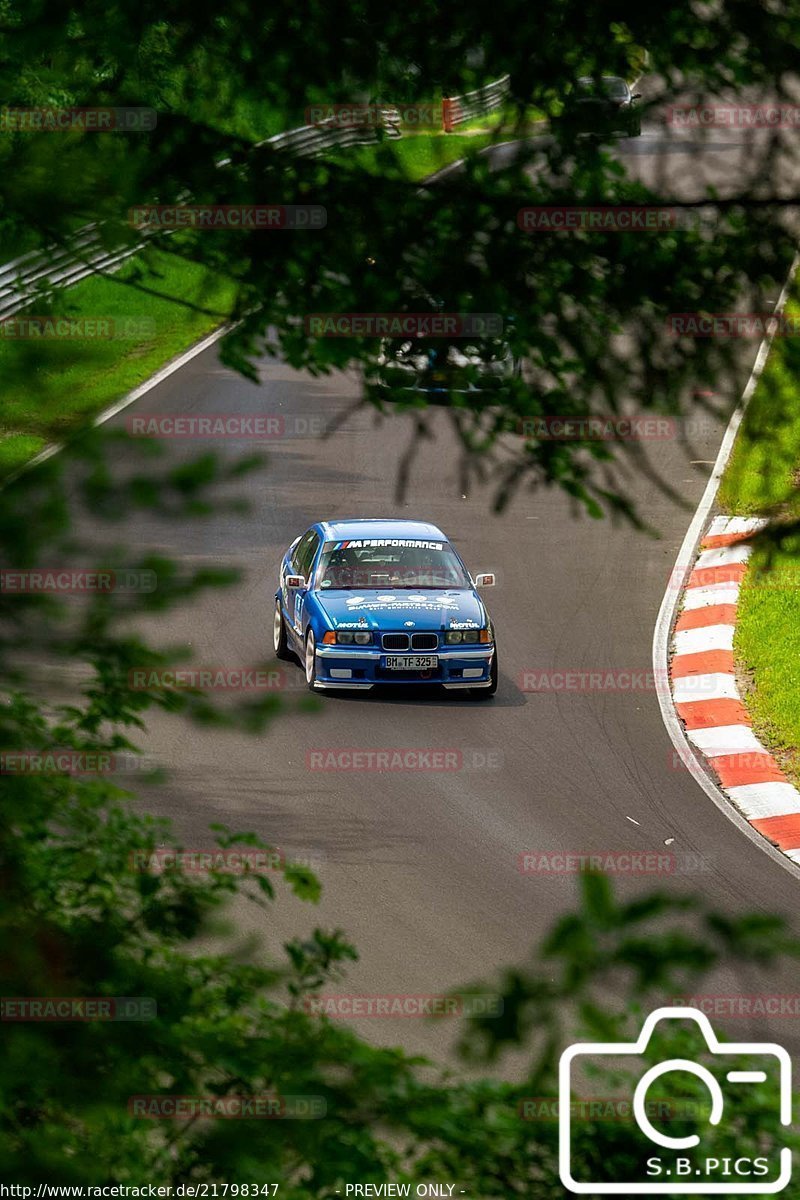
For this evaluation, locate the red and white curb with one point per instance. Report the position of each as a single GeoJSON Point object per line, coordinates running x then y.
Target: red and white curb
{"type": "Point", "coordinates": [705, 694]}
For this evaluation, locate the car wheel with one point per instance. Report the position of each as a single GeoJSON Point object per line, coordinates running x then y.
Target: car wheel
{"type": "Point", "coordinates": [484, 693]}
{"type": "Point", "coordinates": [311, 661]}
{"type": "Point", "coordinates": [279, 642]}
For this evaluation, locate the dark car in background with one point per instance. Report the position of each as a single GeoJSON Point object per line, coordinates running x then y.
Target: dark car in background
{"type": "Point", "coordinates": [604, 107]}
{"type": "Point", "coordinates": [433, 365]}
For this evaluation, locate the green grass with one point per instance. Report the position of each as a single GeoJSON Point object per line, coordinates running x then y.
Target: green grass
{"type": "Point", "coordinates": [254, 121]}
{"type": "Point", "coordinates": [414, 157]}
{"type": "Point", "coordinates": [15, 242]}
{"type": "Point", "coordinates": [425, 153]}
{"type": "Point", "coordinates": [51, 387]}
{"type": "Point", "coordinates": [418, 154]}
{"type": "Point", "coordinates": [505, 122]}
{"type": "Point", "coordinates": [767, 650]}
{"type": "Point", "coordinates": [761, 475]}
{"type": "Point", "coordinates": [762, 478]}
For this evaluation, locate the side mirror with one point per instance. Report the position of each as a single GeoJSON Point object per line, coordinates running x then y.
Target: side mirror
{"type": "Point", "coordinates": [295, 581]}
{"type": "Point", "coordinates": [487, 579]}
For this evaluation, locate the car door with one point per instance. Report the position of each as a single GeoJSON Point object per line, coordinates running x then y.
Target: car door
{"type": "Point", "coordinates": [300, 564]}
{"type": "Point", "coordinates": [288, 567]}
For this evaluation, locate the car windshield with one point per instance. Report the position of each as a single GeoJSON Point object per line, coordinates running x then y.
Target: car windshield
{"type": "Point", "coordinates": [389, 562]}
{"type": "Point", "coordinates": [436, 351]}
{"type": "Point", "coordinates": [609, 86]}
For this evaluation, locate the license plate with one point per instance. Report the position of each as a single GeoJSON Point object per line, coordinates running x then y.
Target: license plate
{"type": "Point", "coordinates": [411, 662]}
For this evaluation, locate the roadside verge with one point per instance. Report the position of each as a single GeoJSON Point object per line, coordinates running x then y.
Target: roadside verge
{"type": "Point", "coordinates": [102, 340]}
{"type": "Point", "coordinates": [696, 673]}
{"type": "Point", "coordinates": [706, 693]}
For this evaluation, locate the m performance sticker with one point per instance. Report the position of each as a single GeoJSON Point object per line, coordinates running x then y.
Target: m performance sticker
{"type": "Point", "coordinates": [366, 543]}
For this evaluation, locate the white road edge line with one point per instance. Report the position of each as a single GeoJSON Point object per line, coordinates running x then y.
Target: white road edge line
{"type": "Point", "coordinates": [672, 598]}
{"type": "Point", "coordinates": [164, 373]}
{"type": "Point", "coordinates": [161, 374]}
{"type": "Point", "coordinates": [171, 367]}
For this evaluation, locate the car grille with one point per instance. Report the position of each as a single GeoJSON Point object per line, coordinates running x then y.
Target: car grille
{"type": "Point", "coordinates": [395, 641]}
{"type": "Point", "coordinates": [415, 641]}
{"type": "Point", "coordinates": [424, 641]}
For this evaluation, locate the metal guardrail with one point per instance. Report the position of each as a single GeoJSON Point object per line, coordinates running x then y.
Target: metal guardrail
{"type": "Point", "coordinates": [22, 279]}
{"type": "Point", "coordinates": [456, 110]}
{"type": "Point", "coordinates": [310, 140]}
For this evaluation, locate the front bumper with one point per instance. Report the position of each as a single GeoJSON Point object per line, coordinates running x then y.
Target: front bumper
{"type": "Point", "coordinates": [399, 380]}
{"type": "Point", "coordinates": [603, 119]}
{"type": "Point", "coordinates": [354, 667]}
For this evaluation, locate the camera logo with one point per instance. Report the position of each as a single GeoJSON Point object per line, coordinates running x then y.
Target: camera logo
{"type": "Point", "coordinates": [682, 1164]}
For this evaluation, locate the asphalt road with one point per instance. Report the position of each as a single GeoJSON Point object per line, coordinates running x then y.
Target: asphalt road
{"type": "Point", "coordinates": [421, 869]}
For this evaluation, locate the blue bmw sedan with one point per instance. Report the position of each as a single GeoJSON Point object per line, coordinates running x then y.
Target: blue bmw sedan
{"type": "Point", "coordinates": [366, 602]}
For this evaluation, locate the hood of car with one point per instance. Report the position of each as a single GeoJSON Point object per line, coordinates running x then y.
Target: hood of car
{"type": "Point", "coordinates": [603, 101]}
{"type": "Point", "coordinates": [403, 609]}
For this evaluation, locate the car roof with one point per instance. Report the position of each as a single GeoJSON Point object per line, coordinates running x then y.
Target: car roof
{"type": "Point", "coordinates": [589, 79]}
{"type": "Point", "coordinates": [378, 527]}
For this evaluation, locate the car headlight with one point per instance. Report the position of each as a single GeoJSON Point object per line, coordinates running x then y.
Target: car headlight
{"type": "Point", "coordinates": [346, 638]}
{"type": "Point", "coordinates": [362, 639]}
{"type": "Point", "coordinates": [454, 636]}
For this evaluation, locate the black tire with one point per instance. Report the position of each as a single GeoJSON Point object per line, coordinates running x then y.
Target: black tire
{"type": "Point", "coordinates": [484, 693]}
{"type": "Point", "coordinates": [310, 661]}
{"type": "Point", "coordinates": [280, 643]}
